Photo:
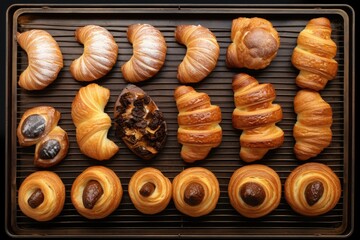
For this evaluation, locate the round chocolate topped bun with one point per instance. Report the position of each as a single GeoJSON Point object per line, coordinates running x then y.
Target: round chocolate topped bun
{"type": "Point", "coordinates": [139, 122]}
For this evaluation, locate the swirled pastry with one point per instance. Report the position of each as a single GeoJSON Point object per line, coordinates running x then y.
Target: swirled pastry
{"type": "Point", "coordinates": [149, 190]}
{"type": "Point", "coordinates": [149, 52]}
{"type": "Point", "coordinates": [96, 192]}
{"type": "Point", "coordinates": [41, 195]}
{"type": "Point", "coordinates": [196, 191]}
{"type": "Point", "coordinates": [99, 56]}
{"type": "Point", "coordinates": [254, 190]}
{"type": "Point", "coordinates": [45, 59]}
{"type": "Point", "coordinates": [312, 189]}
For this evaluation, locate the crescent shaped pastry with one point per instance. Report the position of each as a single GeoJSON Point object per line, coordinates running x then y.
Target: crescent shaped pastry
{"type": "Point", "coordinates": [312, 189]}
{"type": "Point", "coordinates": [41, 195]}
{"type": "Point", "coordinates": [196, 191]}
{"type": "Point", "coordinates": [96, 192]}
{"type": "Point", "coordinates": [99, 56]}
{"type": "Point", "coordinates": [45, 59]}
{"type": "Point", "coordinates": [254, 190]}
{"type": "Point", "coordinates": [149, 190]}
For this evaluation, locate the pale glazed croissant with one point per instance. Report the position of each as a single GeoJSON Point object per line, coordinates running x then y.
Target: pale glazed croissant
{"type": "Point", "coordinates": [254, 190]}
{"type": "Point", "coordinates": [199, 130]}
{"type": "Point", "coordinates": [99, 56]}
{"type": "Point", "coordinates": [202, 52]}
{"type": "Point", "coordinates": [312, 130]}
{"type": "Point", "coordinates": [149, 190]}
{"type": "Point", "coordinates": [45, 59]}
{"type": "Point", "coordinates": [96, 192]}
{"type": "Point", "coordinates": [256, 115]}
{"type": "Point", "coordinates": [42, 195]}
{"type": "Point", "coordinates": [149, 52]}
{"type": "Point", "coordinates": [255, 43]}
{"type": "Point", "coordinates": [92, 123]}
{"type": "Point", "coordinates": [196, 191]}
{"type": "Point", "coordinates": [314, 55]}
{"type": "Point", "coordinates": [312, 189]}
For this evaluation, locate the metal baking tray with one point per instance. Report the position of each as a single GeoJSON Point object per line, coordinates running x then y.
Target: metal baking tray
{"type": "Point", "coordinates": [224, 222]}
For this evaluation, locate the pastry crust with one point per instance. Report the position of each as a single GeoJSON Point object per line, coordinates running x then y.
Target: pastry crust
{"type": "Point", "coordinates": [158, 199]}
{"type": "Point", "coordinates": [262, 176]}
{"type": "Point", "coordinates": [53, 191]}
{"type": "Point", "coordinates": [211, 191]}
{"type": "Point", "coordinates": [109, 200]}
{"type": "Point", "coordinates": [304, 175]}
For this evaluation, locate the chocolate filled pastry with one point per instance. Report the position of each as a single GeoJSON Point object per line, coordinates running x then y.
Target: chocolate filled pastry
{"type": "Point", "coordinates": [312, 189]}
{"type": "Point", "coordinates": [149, 190]}
{"type": "Point", "coordinates": [254, 190]}
{"type": "Point", "coordinates": [41, 195]}
{"type": "Point", "coordinates": [139, 122]}
{"type": "Point", "coordinates": [96, 192]}
{"type": "Point", "coordinates": [255, 43]}
{"type": "Point", "coordinates": [196, 191]}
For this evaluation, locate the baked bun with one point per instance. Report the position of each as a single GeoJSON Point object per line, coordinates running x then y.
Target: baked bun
{"type": "Point", "coordinates": [96, 192]}
{"type": "Point", "coordinates": [149, 190]}
{"type": "Point", "coordinates": [41, 195]}
{"type": "Point", "coordinates": [196, 191]}
{"type": "Point", "coordinates": [312, 189]}
{"type": "Point", "coordinates": [254, 190]}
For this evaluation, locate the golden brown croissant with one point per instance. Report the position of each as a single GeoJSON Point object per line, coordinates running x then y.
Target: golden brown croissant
{"type": "Point", "coordinates": [149, 52]}
{"type": "Point", "coordinates": [149, 190]}
{"type": "Point", "coordinates": [201, 55]}
{"type": "Point", "coordinates": [312, 130]}
{"type": "Point", "coordinates": [254, 190]}
{"type": "Point", "coordinates": [96, 192]}
{"type": "Point", "coordinates": [312, 189]}
{"type": "Point", "coordinates": [45, 59]}
{"type": "Point", "coordinates": [256, 115]}
{"type": "Point", "coordinates": [92, 123]}
{"type": "Point", "coordinates": [255, 43]}
{"type": "Point", "coordinates": [42, 195]}
{"type": "Point", "coordinates": [314, 55]}
{"type": "Point", "coordinates": [99, 56]}
{"type": "Point", "coordinates": [199, 130]}
{"type": "Point", "coordinates": [196, 191]}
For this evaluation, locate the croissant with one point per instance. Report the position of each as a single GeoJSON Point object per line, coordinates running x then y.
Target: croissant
{"type": "Point", "coordinates": [312, 130]}
{"type": "Point", "coordinates": [314, 55]}
{"type": "Point", "coordinates": [149, 190]}
{"type": "Point", "coordinates": [196, 191]}
{"type": "Point", "coordinates": [96, 192]}
{"type": "Point", "coordinates": [199, 130]}
{"type": "Point", "coordinates": [45, 59]}
{"type": "Point", "coordinates": [255, 43]}
{"type": "Point", "coordinates": [99, 56]}
{"type": "Point", "coordinates": [92, 123]}
{"type": "Point", "coordinates": [256, 115]}
{"type": "Point", "coordinates": [254, 190]}
{"type": "Point", "coordinates": [201, 55]}
{"type": "Point", "coordinates": [41, 196]}
{"type": "Point", "coordinates": [312, 189]}
{"type": "Point", "coordinates": [149, 52]}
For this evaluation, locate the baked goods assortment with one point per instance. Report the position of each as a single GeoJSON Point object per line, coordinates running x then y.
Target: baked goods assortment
{"type": "Point", "coordinates": [99, 55]}
{"type": "Point", "coordinates": [254, 190]}
{"type": "Point", "coordinates": [314, 55]}
{"type": "Point", "coordinates": [199, 130]}
{"type": "Point", "coordinates": [256, 115]}
{"type": "Point", "coordinates": [149, 53]}
{"type": "Point", "coordinates": [149, 190]}
{"type": "Point", "coordinates": [196, 191]}
{"type": "Point", "coordinates": [312, 189]}
{"type": "Point", "coordinates": [45, 59]}
{"type": "Point", "coordinates": [41, 196]}
{"type": "Point", "coordinates": [139, 122]}
{"type": "Point", "coordinates": [96, 192]}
